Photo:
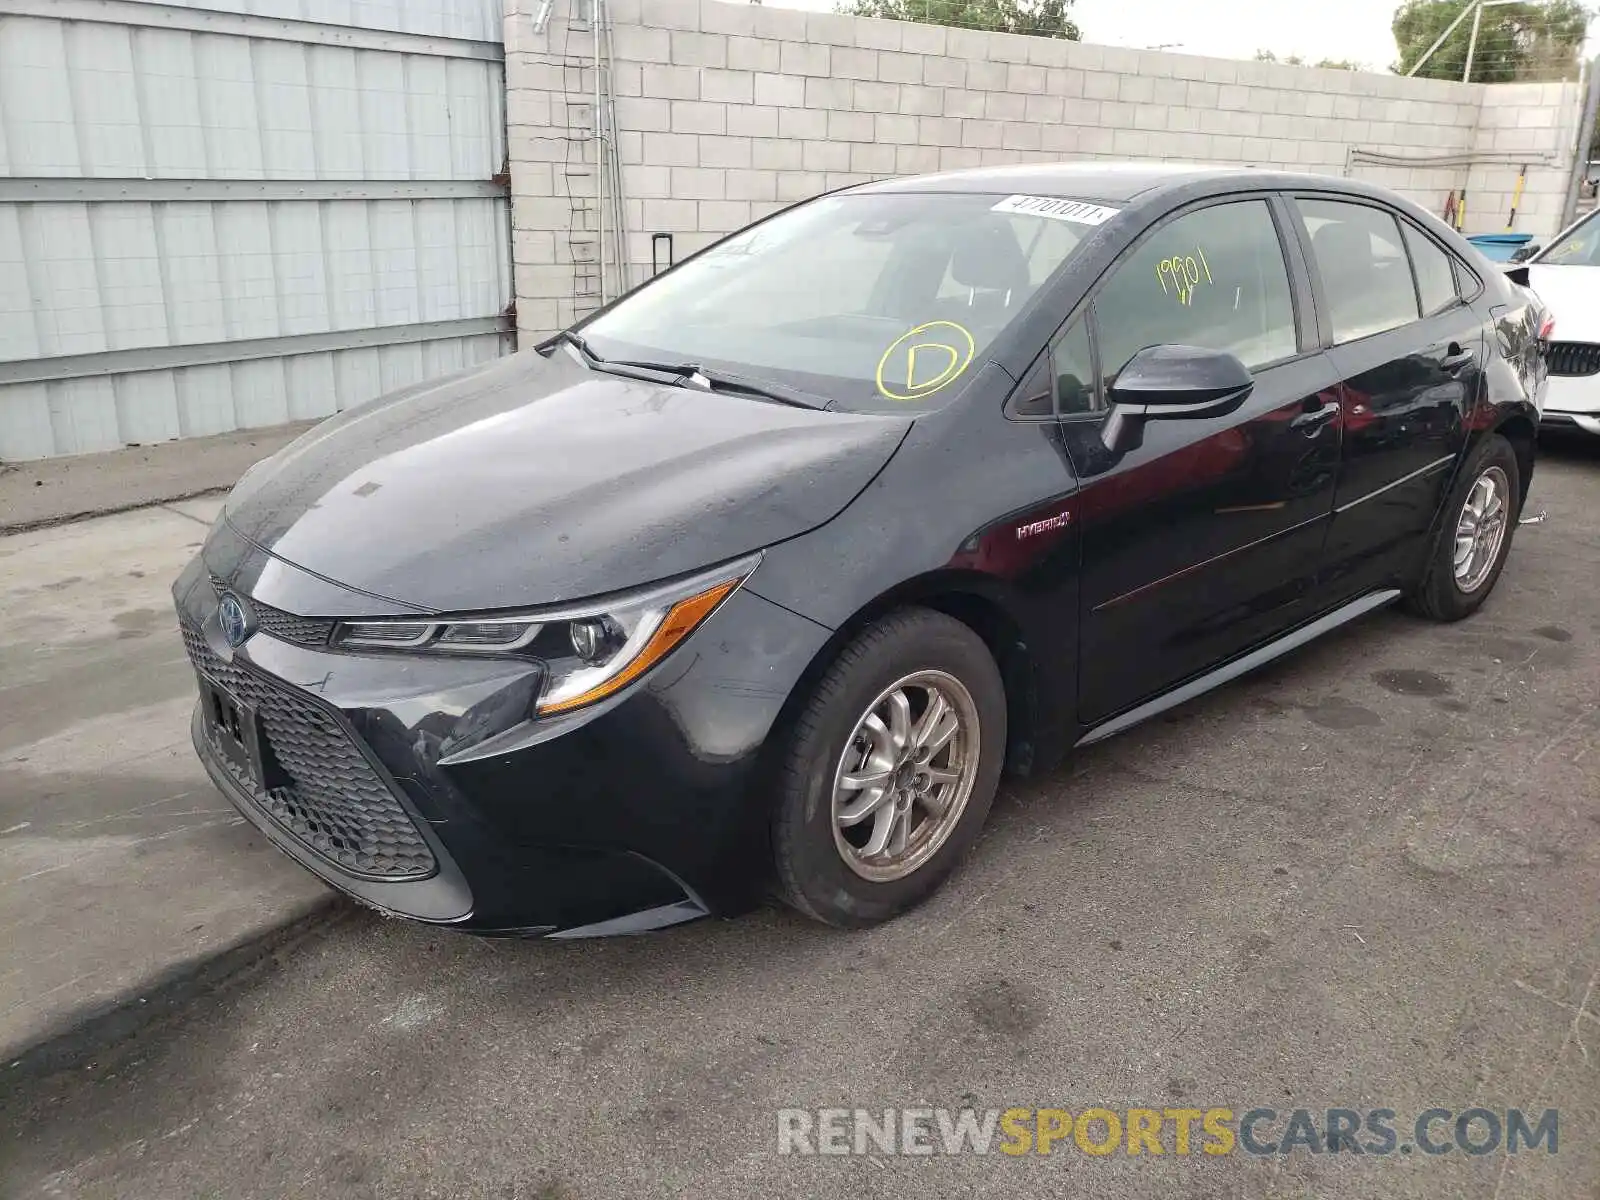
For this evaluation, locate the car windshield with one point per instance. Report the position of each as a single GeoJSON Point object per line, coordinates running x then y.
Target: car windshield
{"type": "Point", "coordinates": [878, 301]}
{"type": "Point", "coordinates": [1580, 248]}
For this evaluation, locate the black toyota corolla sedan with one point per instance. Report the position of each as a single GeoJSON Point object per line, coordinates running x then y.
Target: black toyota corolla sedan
{"type": "Point", "coordinates": [758, 578]}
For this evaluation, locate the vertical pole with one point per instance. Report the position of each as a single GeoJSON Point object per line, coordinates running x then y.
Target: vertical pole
{"type": "Point", "coordinates": [1472, 42]}
{"type": "Point", "coordinates": [599, 153]}
{"type": "Point", "coordinates": [1590, 114]}
{"type": "Point", "coordinates": [1440, 40]}
{"type": "Point", "coordinates": [619, 208]}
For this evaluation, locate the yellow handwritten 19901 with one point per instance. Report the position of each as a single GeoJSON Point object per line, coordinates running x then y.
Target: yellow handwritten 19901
{"type": "Point", "coordinates": [930, 363]}
{"type": "Point", "coordinates": [1185, 271]}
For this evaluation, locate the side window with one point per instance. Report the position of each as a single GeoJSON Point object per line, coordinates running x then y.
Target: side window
{"type": "Point", "coordinates": [1074, 370]}
{"type": "Point", "coordinates": [1366, 277]}
{"type": "Point", "coordinates": [1035, 398]}
{"type": "Point", "coordinates": [1214, 278]}
{"type": "Point", "coordinates": [1436, 281]}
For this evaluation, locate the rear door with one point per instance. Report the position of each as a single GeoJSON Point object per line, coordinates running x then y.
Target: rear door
{"type": "Point", "coordinates": [1410, 356]}
{"type": "Point", "coordinates": [1205, 539]}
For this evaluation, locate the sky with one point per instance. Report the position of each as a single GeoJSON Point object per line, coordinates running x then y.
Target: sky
{"type": "Point", "coordinates": [1357, 30]}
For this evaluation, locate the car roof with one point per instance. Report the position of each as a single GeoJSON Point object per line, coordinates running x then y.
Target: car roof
{"type": "Point", "coordinates": [1117, 182]}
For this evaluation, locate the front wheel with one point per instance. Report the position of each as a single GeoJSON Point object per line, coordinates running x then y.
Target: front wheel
{"type": "Point", "coordinates": [1479, 518]}
{"type": "Point", "coordinates": [894, 764]}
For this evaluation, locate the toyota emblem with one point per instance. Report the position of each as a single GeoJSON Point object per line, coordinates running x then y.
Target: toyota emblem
{"type": "Point", "coordinates": [235, 618]}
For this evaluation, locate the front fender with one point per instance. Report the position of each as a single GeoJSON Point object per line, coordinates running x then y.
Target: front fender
{"type": "Point", "coordinates": [926, 532]}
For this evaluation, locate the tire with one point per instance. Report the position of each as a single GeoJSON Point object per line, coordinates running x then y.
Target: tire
{"type": "Point", "coordinates": [831, 873]}
{"type": "Point", "coordinates": [1443, 595]}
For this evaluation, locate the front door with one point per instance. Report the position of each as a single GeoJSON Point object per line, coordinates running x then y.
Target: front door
{"type": "Point", "coordinates": [1206, 538]}
{"type": "Point", "coordinates": [1410, 353]}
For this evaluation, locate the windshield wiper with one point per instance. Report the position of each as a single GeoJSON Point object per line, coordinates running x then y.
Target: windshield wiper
{"type": "Point", "coordinates": [575, 340]}
{"type": "Point", "coordinates": [690, 374]}
{"type": "Point", "coordinates": [710, 379]}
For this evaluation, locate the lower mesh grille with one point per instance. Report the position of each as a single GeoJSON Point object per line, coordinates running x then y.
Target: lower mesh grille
{"type": "Point", "coordinates": [332, 800]}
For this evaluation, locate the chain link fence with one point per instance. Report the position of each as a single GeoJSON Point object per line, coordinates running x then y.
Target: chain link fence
{"type": "Point", "coordinates": [1495, 41]}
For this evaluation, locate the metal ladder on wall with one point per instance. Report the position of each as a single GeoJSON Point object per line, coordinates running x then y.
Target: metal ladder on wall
{"type": "Point", "coordinates": [591, 174]}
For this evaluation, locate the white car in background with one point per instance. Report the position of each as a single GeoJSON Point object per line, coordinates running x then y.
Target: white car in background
{"type": "Point", "coordinates": [1566, 276]}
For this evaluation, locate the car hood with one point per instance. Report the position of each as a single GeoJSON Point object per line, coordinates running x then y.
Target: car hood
{"type": "Point", "coordinates": [534, 481]}
{"type": "Point", "coordinates": [1573, 296]}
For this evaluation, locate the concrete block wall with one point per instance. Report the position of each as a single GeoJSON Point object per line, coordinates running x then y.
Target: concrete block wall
{"type": "Point", "coordinates": [1538, 121]}
{"type": "Point", "coordinates": [728, 111]}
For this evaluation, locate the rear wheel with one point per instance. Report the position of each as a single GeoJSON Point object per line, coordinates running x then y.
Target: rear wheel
{"type": "Point", "coordinates": [894, 764]}
{"type": "Point", "coordinates": [1479, 518]}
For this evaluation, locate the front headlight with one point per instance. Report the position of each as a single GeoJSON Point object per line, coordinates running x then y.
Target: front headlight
{"type": "Point", "coordinates": [589, 653]}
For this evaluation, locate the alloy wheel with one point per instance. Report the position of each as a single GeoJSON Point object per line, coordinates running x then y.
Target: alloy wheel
{"type": "Point", "coordinates": [1481, 529]}
{"type": "Point", "coordinates": [905, 775]}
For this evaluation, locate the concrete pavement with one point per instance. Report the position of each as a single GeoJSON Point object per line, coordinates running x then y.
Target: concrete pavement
{"type": "Point", "coordinates": [53, 490]}
{"type": "Point", "coordinates": [1368, 876]}
{"type": "Point", "coordinates": [121, 867]}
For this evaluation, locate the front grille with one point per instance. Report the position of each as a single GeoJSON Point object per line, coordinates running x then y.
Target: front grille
{"type": "Point", "coordinates": [1573, 358]}
{"type": "Point", "coordinates": [285, 626]}
{"type": "Point", "coordinates": [322, 790]}
{"type": "Point", "coordinates": [304, 631]}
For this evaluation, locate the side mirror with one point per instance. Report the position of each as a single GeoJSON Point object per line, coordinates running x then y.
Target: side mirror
{"type": "Point", "coordinates": [1524, 253]}
{"type": "Point", "coordinates": [1172, 383]}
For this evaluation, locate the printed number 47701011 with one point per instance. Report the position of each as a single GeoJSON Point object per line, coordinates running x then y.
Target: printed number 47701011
{"type": "Point", "coordinates": [1185, 272]}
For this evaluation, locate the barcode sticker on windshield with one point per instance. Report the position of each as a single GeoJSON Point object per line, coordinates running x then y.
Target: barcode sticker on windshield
{"type": "Point", "coordinates": [1056, 209]}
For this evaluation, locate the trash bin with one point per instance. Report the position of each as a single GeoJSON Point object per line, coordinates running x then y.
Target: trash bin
{"type": "Point", "coordinates": [1499, 247]}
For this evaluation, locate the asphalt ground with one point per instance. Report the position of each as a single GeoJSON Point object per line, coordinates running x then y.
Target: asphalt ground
{"type": "Point", "coordinates": [1366, 877]}
{"type": "Point", "coordinates": [122, 869]}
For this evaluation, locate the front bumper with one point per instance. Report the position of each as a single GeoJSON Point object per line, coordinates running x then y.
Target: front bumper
{"type": "Point", "coordinates": [443, 897]}
{"type": "Point", "coordinates": [1583, 422]}
{"type": "Point", "coordinates": [1572, 402]}
{"type": "Point", "coordinates": [424, 791]}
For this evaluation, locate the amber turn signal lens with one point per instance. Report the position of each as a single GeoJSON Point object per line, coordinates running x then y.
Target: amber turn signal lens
{"type": "Point", "coordinates": [678, 624]}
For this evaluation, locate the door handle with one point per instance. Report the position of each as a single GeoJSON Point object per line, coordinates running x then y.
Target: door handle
{"type": "Point", "coordinates": [1310, 423]}
{"type": "Point", "coordinates": [1455, 358]}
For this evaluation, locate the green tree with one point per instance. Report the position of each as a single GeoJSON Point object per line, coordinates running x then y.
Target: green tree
{"type": "Point", "coordinates": [1041, 18]}
{"type": "Point", "coordinates": [1515, 41]}
{"type": "Point", "coordinates": [1294, 60]}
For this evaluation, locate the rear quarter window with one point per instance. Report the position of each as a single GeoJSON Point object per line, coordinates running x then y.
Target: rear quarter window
{"type": "Point", "coordinates": [1436, 280]}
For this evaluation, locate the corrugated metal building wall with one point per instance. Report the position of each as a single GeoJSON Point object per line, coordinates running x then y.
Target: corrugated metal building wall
{"type": "Point", "coordinates": [213, 220]}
